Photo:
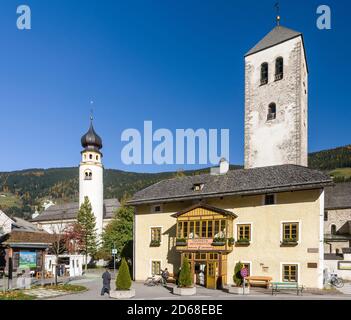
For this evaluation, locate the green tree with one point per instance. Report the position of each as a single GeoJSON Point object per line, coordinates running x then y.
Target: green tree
{"type": "Point", "coordinates": [87, 229]}
{"type": "Point", "coordinates": [123, 281]}
{"type": "Point", "coordinates": [237, 278]}
{"type": "Point", "coordinates": [119, 232]}
{"type": "Point", "coordinates": [185, 278]}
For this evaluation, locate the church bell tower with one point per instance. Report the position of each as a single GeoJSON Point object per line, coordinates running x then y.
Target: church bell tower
{"type": "Point", "coordinates": [91, 175]}
{"type": "Point", "coordinates": [276, 100]}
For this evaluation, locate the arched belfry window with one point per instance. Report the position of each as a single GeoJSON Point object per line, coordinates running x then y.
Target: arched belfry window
{"type": "Point", "coordinates": [88, 175]}
{"type": "Point", "coordinates": [333, 229]}
{"type": "Point", "coordinates": [272, 111]}
{"type": "Point", "coordinates": [279, 68]}
{"type": "Point", "coordinates": [264, 73]}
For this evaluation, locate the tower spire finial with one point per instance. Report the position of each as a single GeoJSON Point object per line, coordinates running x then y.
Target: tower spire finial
{"type": "Point", "coordinates": [277, 7]}
{"type": "Point", "coordinates": [91, 111]}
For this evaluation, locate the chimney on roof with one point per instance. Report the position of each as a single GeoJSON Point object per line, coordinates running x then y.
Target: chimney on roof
{"type": "Point", "coordinates": [222, 169]}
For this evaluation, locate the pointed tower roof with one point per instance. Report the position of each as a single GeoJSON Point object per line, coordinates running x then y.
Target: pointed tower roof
{"type": "Point", "coordinates": [91, 140]}
{"type": "Point", "coordinates": [278, 35]}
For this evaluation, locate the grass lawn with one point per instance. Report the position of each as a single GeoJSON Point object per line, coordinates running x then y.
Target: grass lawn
{"type": "Point", "coordinates": [66, 287]}
{"type": "Point", "coordinates": [16, 295]}
{"type": "Point", "coordinates": [8, 200]}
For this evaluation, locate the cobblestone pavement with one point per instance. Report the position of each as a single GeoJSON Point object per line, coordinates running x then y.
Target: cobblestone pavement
{"type": "Point", "coordinates": [93, 282]}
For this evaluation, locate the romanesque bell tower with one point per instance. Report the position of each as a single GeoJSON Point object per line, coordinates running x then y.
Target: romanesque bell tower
{"type": "Point", "coordinates": [276, 91]}
{"type": "Point", "coordinates": [91, 175]}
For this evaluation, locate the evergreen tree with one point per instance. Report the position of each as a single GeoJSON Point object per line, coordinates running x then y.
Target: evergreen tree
{"type": "Point", "coordinates": [87, 228]}
{"type": "Point", "coordinates": [123, 281]}
{"type": "Point", "coordinates": [185, 279]}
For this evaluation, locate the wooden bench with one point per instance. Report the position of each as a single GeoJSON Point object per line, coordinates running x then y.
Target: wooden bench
{"type": "Point", "coordinates": [277, 286]}
{"type": "Point", "coordinates": [260, 279]}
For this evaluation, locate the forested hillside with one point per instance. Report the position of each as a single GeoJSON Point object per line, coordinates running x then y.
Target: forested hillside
{"type": "Point", "coordinates": [21, 192]}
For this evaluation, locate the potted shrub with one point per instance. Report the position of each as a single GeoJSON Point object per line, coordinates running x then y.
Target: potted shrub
{"type": "Point", "coordinates": [181, 242]}
{"type": "Point", "coordinates": [155, 243]}
{"type": "Point", "coordinates": [218, 241]}
{"type": "Point", "coordinates": [238, 280]}
{"type": "Point", "coordinates": [123, 283]}
{"type": "Point", "coordinates": [243, 242]}
{"type": "Point", "coordinates": [185, 282]}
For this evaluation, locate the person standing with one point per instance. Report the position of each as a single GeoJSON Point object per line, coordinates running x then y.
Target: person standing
{"type": "Point", "coordinates": [106, 280]}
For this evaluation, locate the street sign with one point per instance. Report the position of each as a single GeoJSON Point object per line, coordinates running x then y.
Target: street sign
{"type": "Point", "coordinates": [114, 251]}
{"type": "Point", "coordinates": [244, 272]}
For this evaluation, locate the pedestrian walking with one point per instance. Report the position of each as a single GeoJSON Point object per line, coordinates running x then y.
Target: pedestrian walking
{"type": "Point", "coordinates": [106, 279]}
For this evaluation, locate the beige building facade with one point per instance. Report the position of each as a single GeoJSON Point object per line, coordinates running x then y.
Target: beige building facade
{"type": "Point", "coordinates": [276, 234]}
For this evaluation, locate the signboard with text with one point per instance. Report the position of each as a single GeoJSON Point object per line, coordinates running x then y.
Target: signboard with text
{"type": "Point", "coordinates": [200, 244]}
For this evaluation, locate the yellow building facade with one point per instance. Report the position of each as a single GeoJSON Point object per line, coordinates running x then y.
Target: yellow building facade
{"type": "Point", "coordinates": [279, 234]}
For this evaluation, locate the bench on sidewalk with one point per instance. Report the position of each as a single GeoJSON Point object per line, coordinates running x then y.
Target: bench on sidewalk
{"type": "Point", "coordinates": [258, 279]}
{"type": "Point", "coordinates": [171, 278]}
{"type": "Point", "coordinates": [277, 286]}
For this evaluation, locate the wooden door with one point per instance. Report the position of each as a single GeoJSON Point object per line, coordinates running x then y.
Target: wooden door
{"type": "Point", "coordinates": [212, 272]}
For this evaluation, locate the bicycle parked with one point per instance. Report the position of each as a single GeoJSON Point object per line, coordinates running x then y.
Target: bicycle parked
{"type": "Point", "coordinates": [335, 281]}
{"type": "Point", "coordinates": [155, 280]}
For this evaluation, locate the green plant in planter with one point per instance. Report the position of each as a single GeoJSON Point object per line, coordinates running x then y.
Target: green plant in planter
{"type": "Point", "coordinates": [181, 242]}
{"type": "Point", "coordinates": [237, 278]}
{"type": "Point", "coordinates": [185, 279]}
{"type": "Point", "coordinates": [231, 241]}
{"type": "Point", "coordinates": [123, 281]}
{"type": "Point", "coordinates": [155, 243]}
{"type": "Point", "coordinates": [290, 241]}
{"type": "Point", "coordinates": [243, 241]}
{"type": "Point", "coordinates": [218, 241]}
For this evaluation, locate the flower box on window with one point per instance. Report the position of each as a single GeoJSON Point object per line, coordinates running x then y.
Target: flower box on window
{"type": "Point", "coordinates": [289, 242]}
{"type": "Point", "coordinates": [219, 241]}
{"type": "Point", "coordinates": [155, 243]}
{"type": "Point", "coordinates": [243, 242]}
{"type": "Point", "coordinates": [181, 242]}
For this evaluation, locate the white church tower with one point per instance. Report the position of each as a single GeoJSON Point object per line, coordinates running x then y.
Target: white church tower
{"type": "Point", "coordinates": [91, 175]}
{"type": "Point", "coordinates": [276, 91]}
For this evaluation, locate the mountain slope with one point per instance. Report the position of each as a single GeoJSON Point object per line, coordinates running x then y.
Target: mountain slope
{"type": "Point", "coordinates": [22, 191]}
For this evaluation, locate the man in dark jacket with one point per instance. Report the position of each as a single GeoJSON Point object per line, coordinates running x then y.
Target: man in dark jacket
{"type": "Point", "coordinates": [106, 279]}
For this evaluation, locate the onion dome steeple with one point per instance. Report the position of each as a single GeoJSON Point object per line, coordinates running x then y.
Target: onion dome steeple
{"type": "Point", "coordinates": [91, 140]}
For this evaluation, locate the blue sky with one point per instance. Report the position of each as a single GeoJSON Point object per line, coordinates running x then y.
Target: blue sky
{"type": "Point", "coordinates": [177, 63]}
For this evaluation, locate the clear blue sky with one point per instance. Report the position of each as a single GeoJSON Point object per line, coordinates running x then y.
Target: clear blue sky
{"type": "Point", "coordinates": [177, 63]}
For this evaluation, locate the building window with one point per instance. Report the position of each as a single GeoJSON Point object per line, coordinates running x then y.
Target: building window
{"type": "Point", "coordinates": [269, 199]}
{"type": "Point", "coordinates": [155, 267]}
{"type": "Point", "coordinates": [90, 156]}
{"type": "Point", "coordinates": [290, 273]}
{"type": "Point", "coordinates": [333, 229]}
{"type": "Point", "coordinates": [97, 158]}
{"type": "Point", "coordinates": [290, 231]}
{"type": "Point", "coordinates": [88, 175]}
{"type": "Point", "coordinates": [156, 208]}
{"type": "Point", "coordinates": [156, 234]}
{"type": "Point", "coordinates": [279, 68]}
{"type": "Point", "coordinates": [264, 73]}
{"type": "Point", "coordinates": [272, 112]}
{"type": "Point", "coordinates": [244, 232]}
{"type": "Point", "coordinates": [198, 186]}
{"type": "Point", "coordinates": [325, 215]}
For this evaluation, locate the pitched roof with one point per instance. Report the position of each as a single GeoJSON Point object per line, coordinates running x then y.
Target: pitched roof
{"type": "Point", "coordinates": [278, 35]}
{"type": "Point", "coordinates": [338, 196]}
{"type": "Point", "coordinates": [69, 211]}
{"type": "Point", "coordinates": [235, 182]}
{"type": "Point", "coordinates": [205, 206]}
{"type": "Point", "coordinates": [27, 237]}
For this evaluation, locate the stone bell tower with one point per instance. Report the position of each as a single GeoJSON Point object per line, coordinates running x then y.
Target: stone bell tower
{"type": "Point", "coordinates": [91, 175]}
{"type": "Point", "coordinates": [276, 92]}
